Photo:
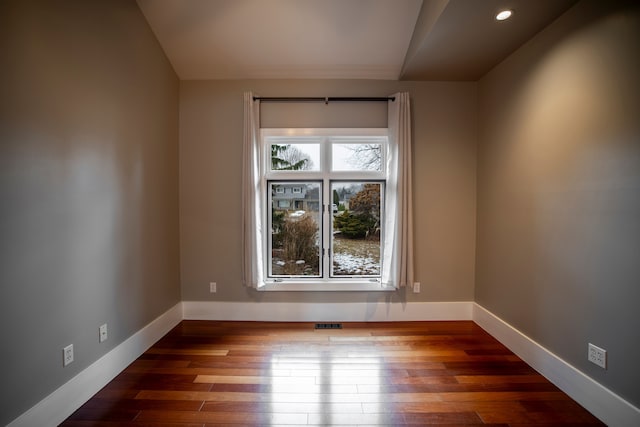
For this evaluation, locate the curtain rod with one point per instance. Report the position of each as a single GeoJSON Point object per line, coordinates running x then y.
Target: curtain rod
{"type": "Point", "coordinates": [326, 99]}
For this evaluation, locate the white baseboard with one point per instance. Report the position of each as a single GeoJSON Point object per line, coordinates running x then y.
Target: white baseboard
{"type": "Point", "coordinates": [57, 407]}
{"type": "Point", "coordinates": [378, 311]}
{"type": "Point", "coordinates": [597, 399]}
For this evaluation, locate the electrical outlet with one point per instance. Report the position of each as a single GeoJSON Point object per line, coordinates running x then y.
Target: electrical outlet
{"type": "Point", "coordinates": [212, 287]}
{"type": "Point", "coordinates": [102, 333]}
{"type": "Point", "coordinates": [416, 287]}
{"type": "Point", "coordinates": [67, 355]}
{"type": "Point", "coordinates": [597, 355]}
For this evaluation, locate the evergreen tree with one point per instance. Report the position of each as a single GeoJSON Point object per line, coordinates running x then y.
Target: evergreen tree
{"type": "Point", "coordinates": [280, 162]}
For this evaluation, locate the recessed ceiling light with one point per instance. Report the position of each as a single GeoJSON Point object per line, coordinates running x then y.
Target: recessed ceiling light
{"type": "Point", "coordinates": [504, 15]}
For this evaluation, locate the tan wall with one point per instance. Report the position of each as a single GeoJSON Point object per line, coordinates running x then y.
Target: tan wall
{"type": "Point", "coordinates": [558, 252]}
{"type": "Point", "coordinates": [88, 188]}
{"type": "Point", "coordinates": [444, 121]}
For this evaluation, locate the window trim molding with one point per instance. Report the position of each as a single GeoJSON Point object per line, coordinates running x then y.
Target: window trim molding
{"type": "Point", "coordinates": [293, 285]}
{"type": "Point", "coordinates": [321, 284]}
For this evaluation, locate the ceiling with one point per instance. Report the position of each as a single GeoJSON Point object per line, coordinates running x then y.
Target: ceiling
{"type": "Point", "coordinates": [343, 39]}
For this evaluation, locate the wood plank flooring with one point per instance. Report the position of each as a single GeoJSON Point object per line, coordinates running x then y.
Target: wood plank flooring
{"type": "Point", "coordinates": [206, 373]}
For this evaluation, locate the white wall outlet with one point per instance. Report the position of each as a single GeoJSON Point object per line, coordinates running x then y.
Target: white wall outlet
{"type": "Point", "coordinates": [212, 287]}
{"type": "Point", "coordinates": [597, 355]}
{"type": "Point", "coordinates": [102, 333]}
{"type": "Point", "coordinates": [67, 355]}
{"type": "Point", "coordinates": [416, 287]}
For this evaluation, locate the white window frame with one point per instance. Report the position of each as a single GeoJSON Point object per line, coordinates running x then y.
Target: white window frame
{"type": "Point", "coordinates": [323, 136]}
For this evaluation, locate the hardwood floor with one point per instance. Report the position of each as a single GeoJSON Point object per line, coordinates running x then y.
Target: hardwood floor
{"type": "Point", "coordinates": [206, 373]}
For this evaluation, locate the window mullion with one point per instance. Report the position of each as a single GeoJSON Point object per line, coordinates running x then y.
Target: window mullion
{"type": "Point", "coordinates": [326, 234]}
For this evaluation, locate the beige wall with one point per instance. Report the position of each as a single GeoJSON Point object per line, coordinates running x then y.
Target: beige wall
{"type": "Point", "coordinates": [558, 252]}
{"type": "Point", "coordinates": [444, 122]}
{"type": "Point", "coordinates": [88, 188]}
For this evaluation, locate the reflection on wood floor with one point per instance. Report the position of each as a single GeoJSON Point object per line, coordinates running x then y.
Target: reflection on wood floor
{"type": "Point", "coordinates": [209, 373]}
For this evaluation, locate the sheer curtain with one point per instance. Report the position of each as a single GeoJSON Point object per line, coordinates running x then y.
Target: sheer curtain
{"type": "Point", "coordinates": [252, 223]}
{"type": "Point", "coordinates": [397, 269]}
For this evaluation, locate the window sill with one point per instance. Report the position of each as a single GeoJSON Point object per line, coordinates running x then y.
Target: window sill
{"type": "Point", "coordinates": [293, 286]}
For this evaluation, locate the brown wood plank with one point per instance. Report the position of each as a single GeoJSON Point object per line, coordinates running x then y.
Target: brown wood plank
{"type": "Point", "coordinates": [208, 373]}
{"type": "Point", "coordinates": [265, 418]}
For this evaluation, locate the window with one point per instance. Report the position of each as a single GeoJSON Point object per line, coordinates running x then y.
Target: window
{"type": "Point", "coordinates": [324, 202]}
{"type": "Point", "coordinates": [350, 214]}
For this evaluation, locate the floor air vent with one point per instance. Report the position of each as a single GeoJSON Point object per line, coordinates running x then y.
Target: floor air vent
{"type": "Point", "coordinates": [328, 325]}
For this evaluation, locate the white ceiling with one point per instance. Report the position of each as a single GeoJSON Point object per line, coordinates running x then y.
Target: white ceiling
{"type": "Point", "coordinates": [357, 39]}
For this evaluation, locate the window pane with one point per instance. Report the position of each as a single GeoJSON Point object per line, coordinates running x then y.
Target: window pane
{"type": "Point", "coordinates": [356, 229]}
{"type": "Point", "coordinates": [295, 157]}
{"type": "Point", "coordinates": [356, 157]}
{"type": "Point", "coordinates": [295, 229]}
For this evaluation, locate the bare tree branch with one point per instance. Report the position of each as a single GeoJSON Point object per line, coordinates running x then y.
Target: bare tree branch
{"type": "Point", "coordinates": [365, 156]}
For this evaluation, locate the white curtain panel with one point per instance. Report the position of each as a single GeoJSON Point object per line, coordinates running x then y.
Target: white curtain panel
{"type": "Point", "coordinates": [252, 223]}
{"type": "Point", "coordinates": [397, 269]}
